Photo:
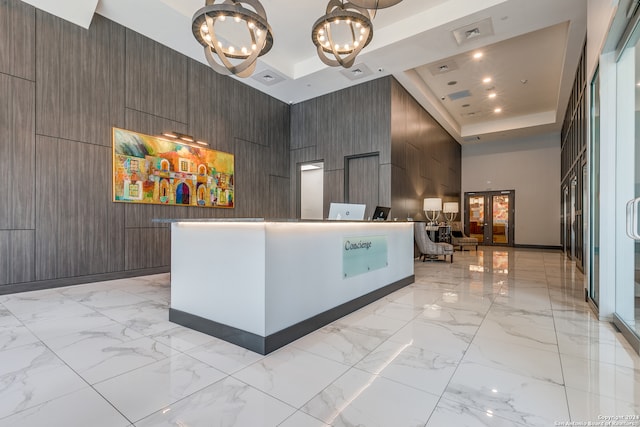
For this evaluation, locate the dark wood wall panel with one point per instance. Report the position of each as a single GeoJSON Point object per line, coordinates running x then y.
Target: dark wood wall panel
{"type": "Point", "coordinates": [80, 77]}
{"type": "Point", "coordinates": [426, 159]}
{"type": "Point", "coordinates": [333, 188]}
{"type": "Point", "coordinates": [279, 197]}
{"type": "Point", "coordinates": [156, 78]}
{"type": "Point", "coordinates": [17, 149]}
{"type": "Point", "coordinates": [147, 248]}
{"type": "Point", "coordinates": [363, 182]}
{"type": "Point", "coordinates": [338, 125]}
{"type": "Point", "coordinates": [209, 109]}
{"type": "Point", "coordinates": [304, 129]}
{"type": "Point", "coordinates": [17, 39]}
{"type": "Point", "coordinates": [48, 196]}
{"type": "Point", "coordinates": [16, 256]}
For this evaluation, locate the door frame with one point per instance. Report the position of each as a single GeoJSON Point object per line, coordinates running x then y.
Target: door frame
{"type": "Point", "coordinates": [488, 215]}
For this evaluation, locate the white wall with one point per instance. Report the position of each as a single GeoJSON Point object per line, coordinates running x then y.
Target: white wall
{"type": "Point", "coordinates": [531, 167]}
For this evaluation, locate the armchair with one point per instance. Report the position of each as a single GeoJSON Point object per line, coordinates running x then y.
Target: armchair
{"type": "Point", "coordinates": [427, 247]}
{"type": "Point", "coordinates": [458, 238]}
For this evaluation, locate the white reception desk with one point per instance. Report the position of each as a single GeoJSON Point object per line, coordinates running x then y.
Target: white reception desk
{"type": "Point", "coordinates": [262, 284]}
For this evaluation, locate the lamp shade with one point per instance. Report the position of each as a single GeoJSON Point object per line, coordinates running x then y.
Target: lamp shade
{"type": "Point", "coordinates": [450, 207]}
{"type": "Point", "coordinates": [433, 204]}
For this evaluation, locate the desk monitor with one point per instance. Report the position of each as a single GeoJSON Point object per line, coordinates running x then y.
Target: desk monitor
{"type": "Point", "coordinates": [346, 211]}
{"type": "Point", "coordinates": [381, 213]}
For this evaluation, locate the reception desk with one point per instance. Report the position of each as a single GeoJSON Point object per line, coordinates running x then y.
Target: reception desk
{"type": "Point", "coordinates": [262, 284]}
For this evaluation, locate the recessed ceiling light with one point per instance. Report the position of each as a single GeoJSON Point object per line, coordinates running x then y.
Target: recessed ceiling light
{"type": "Point", "coordinates": [492, 95]}
{"type": "Point", "coordinates": [486, 80]}
{"type": "Point", "coordinates": [498, 110]}
{"type": "Point", "coordinates": [477, 55]}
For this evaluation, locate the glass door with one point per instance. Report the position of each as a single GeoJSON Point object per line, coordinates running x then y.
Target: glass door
{"type": "Point", "coordinates": [628, 185]}
{"type": "Point", "coordinates": [475, 217]}
{"type": "Point", "coordinates": [489, 217]}
{"type": "Point", "coordinates": [594, 200]}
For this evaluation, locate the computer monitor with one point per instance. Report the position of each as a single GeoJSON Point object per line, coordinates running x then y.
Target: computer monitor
{"type": "Point", "coordinates": [381, 213]}
{"type": "Point", "coordinates": [346, 211]}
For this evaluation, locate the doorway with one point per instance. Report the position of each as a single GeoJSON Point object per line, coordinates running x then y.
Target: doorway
{"type": "Point", "coordinates": [311, 190]}
{"type": "Point", "coordinates": [489, 217]}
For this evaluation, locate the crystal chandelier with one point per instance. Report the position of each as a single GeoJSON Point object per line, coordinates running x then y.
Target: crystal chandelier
{"type": "Point", "coordinates": [237, 56]}
{"type": "Point", "coordinates": [343, 32]}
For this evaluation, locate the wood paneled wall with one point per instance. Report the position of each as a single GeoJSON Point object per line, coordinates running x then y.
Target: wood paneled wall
{"type": "Point", "coordinates": [63, 89]}
{"type": "Point", "coordinates": [426, 160]}
{"type": "Point", "coordinates": [339, 125]}
{"type": "Point", "coordinates": [417, 157]}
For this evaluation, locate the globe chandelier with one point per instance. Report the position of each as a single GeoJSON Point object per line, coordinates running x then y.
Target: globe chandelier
{"type": "Point", "coordinates": [375, 4]}
{"type": "Point", "coordinates": [239, 56]}
{"type": "Point", "coordinates": [339, 35]}
{"type": "Point", "coordinates": [343, 32]}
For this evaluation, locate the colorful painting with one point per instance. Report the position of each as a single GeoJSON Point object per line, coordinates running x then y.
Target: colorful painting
{"type": "Point", "coordinates": [155, 170]}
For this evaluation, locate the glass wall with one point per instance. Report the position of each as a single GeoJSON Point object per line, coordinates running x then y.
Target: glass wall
{"type": "Point", "coordinates": [627, 295]}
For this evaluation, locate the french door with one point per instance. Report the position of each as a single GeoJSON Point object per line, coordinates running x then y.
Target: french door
{"type": "Point", "coordinates": [489, 216]}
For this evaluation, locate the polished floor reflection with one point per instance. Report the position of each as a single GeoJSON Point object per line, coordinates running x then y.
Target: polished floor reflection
{"type": "Point", "coordinates": [501, 337]}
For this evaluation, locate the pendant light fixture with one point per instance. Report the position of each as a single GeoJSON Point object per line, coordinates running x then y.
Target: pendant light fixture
{"type": "Point", "coordinates": [375, 4]}
{"type": "Point", "coordinates": [343, 32]}
{"type": "Point", "coordinates": [230, 52]}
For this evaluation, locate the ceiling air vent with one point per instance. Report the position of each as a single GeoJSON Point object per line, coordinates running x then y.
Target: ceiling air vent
{"type": "Point", "coordinates": [268, 77]}
{"type": "Point", "coordinates": [442, 67]}
{"type": "Point", "coordinates": [356, 72]}
{"type": "Point", "coordinates": [459, 95]}
{"type": "Point", "coordinates": [474, 31]}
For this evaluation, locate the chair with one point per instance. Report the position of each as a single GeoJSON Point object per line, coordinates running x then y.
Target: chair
{"type": "Point", "coordinates": [427, 247]}
{"type": "Point", "coordinates": [458, 238]}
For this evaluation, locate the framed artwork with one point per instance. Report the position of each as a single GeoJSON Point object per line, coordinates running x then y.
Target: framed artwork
{"type": "Point", "coordinates": [154, 170]}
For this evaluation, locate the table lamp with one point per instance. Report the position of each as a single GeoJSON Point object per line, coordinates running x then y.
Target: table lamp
{"type": "Point", "coordinates": [433, 205]}
{"type": "Point", "coordinates": [450, 211]}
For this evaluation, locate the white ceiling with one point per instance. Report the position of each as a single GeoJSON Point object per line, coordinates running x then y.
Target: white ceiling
{"type": "Point", "coordinates": [538, 41]}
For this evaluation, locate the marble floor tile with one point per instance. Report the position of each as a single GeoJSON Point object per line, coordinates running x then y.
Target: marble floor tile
{"type": "Point", "coordinates": [291, 375]}
{"type": "Point", "coordinates": [453, 314]}
{"type": "Point", "coordinates": [417, 297]}
{"type": "Point", "coordinates": [104, 299]}
{"type": "Point", "coordinates": [526, 318]}
{"type": "Point", "coordinates": [181, 338]}
{"type": "Point", "coordinates": [370, 324]}
{"type": "Point", "coordinates": [450, 413]}
{"type": "Point", "coordinates": [519, 333]}
{"type": "Point", "coordinates": [140, 393]}
{"type": "Point", "coordinates": [585, 407]}
{"type": "Point", "coordinates": [355, 400]}
{"type": "Point", "coordinates": [523, 360]}
{"type": "Point", "coordinates": [606, 348]}
{"type": "Point", "coordinates": [392, 310]}
{"type": "Point", "coordinates": [224, 356]}
{"type": "Point", "coordinates": [31, 375]}
{"type": "Point", "coordinates": [341, 344]}
{"type": "Point", "coordinates": [441, 338]}
{"type": "Point", "coordinates": [15, 336]}
{"type": "Point", "coordinates": [44, 305]}
{"type": "Point", "coordinates": [101, 357]}
{"type": "Point", "coordinates": [494, 344]}
{"type": "Point", "coordinates": [507, 395]}
{"type": "Point", "coordinates": [301, 419]}
{"type": "Point", "coordinates": [228, 402]}
{"type": "Point", "coordinates": [411, 365]}
{"type": "Point", "coordinates": [84, 407]}
{"type": "Point", "coordinates": [609, 380]}
{"type": "Point", "coordinates": [48, 330]}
